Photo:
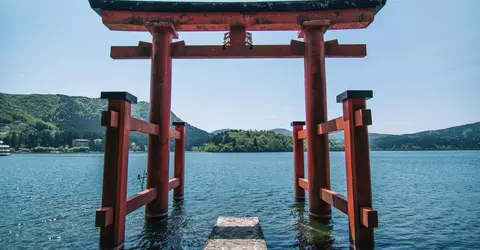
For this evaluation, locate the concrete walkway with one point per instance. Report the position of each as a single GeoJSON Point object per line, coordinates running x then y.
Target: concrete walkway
{"type": "Point", "coordinates": [242, 233]}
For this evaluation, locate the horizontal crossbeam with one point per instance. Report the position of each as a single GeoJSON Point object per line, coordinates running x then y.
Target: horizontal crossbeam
{"type": "Point", "coordinates": [369, 216]}
{"type": "Point", "coordinates": [296, 49]}
{"type": "Point", "coordinates": [144, 127]}
{"type": "Point", "coordinates": [334, 199]}
{"type": "Point", "coordinates": [104, 217]}
{"type": "Point", "coordinates": [173, 183]}
{"type": "Point", "coordinates": [363, 117]}
{"type": "Point", "coordinates": [303, 183]}
{"type": "Point", "coordinates": [140, 199]}
{"type": "Point", "coordinates": [302, 134]}
{"type": "Point", "coordinates": [331, 126]}
{"type": "Point", "coordinates": [222, 21]}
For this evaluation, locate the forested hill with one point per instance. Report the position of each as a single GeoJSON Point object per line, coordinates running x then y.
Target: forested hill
{"type": "Point", "coordinates": [464, 137]}
{"type": "Point", "coordinates": [55, 120]}
{"type": "Point", "coordinates": [235, 140]}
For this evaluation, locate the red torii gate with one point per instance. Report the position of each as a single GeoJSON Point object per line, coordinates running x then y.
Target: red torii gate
{"type": "Point", "coordinates": [163, 19]}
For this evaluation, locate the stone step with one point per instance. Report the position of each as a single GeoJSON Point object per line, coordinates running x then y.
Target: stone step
{"type": "Point", "coordinates": [242, 233]}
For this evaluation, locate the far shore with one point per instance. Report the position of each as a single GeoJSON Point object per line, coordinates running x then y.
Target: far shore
{"type": "Point", "coordinates": [101, 152]}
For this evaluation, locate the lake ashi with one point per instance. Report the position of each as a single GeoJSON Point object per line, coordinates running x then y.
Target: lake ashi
{"type": "Point", "coordinates": [425, 200]}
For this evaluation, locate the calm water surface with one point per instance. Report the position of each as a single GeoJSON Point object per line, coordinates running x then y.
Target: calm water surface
{"type": "Point", "coordinates": [426, 200]}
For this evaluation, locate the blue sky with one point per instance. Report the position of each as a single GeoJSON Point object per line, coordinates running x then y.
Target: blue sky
{"type": "Point", "coordinates": [423, 65]}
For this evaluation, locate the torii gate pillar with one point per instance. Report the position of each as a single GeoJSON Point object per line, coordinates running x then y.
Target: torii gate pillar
{"type": "Point", "coordinates": [160, 96]}
{"type": "Point", "coordinates": [316, 112]}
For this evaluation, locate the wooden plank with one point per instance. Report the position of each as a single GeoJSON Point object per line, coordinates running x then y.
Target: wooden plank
{"type": "Point", "coordinates": [174, 134]}
{"type": "Point", "coordinates": [303, 183]}
{"type": "Point", "coordinates": [179, 50]}
{"type": "Point", "coordinates": [211, 21]}
{"type": "Point", "coordinates": [104, 217]}
{"type": "Point", "coordinates": [335, 199]}
{"type": "Point", "coordinates": [369, 217]}
{"type": "Point", "coordinates": [109, 119]}
{"type": "Point", "coordinates": [363, 117]}
{"type": "Point", "coordinates": [302, 134]}
{"type": "Point", "coordinates": [331, 126]}
{"type": "Point", "coordinates": [144, 127]}
{"type": "Point", "coordinates": [236, 233]}
{"type": "Point", "coordinates": [173, 183]}
{"type": "Point", "coordinates": [346, 51]}
{"type": "Point", "coordinates": [140, 199]}
{"type": "Point", "coordinates": [130, 52]}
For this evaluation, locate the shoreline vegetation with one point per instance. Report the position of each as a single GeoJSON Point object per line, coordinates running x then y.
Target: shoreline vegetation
{"type": "Point", "coordinates": [59, 123]}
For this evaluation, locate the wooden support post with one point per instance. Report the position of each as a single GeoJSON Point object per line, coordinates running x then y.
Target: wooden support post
{"type": "Point", "coordinates": [115, 170]}
{"type": "Point", "coordinates": [316, 112]}
{"type": "Point", "coordinates": [357, 158]}
{"type": "Point", "coordinates": [298, 161]}
{"type": "Point", "coordinates": [160, 94]}
{"type": "Point", "coordinates": [179, 165]}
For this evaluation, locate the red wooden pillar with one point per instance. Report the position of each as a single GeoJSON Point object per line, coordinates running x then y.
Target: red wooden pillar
{"type": "Point", "coordinates": [111, 217]}
{"type": "Point", "coordinates": [160, 94]}
{"type": "Point", "coordinates": [357, 158]}
{"type": "Point", "coordinates": [316, 112]}
{"type": "Point", "coordinates": [179, 166]}
{"type": "Point", "coordinates": [298, 160]}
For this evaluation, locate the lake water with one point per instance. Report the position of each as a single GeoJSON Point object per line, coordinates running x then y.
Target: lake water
{"type": "Point", "coordinates": [426, 200]}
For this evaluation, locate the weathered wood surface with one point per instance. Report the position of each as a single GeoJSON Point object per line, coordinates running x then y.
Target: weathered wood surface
{"type": "Point", "coordinates": [236, 233]}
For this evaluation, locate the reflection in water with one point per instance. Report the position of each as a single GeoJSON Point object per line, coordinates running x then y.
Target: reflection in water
{"type": "Point", "coordinates": [310, 234]}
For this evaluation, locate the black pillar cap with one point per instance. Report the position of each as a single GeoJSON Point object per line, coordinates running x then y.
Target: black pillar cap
{"type": "Point", "coordinates": [178, 123]}
{"type": "Point", "coordinates": [297, 123]}
{"type": "Point", "coordinates": [119, 96]}
{"type": "Point", "coordinates": [354, 94]}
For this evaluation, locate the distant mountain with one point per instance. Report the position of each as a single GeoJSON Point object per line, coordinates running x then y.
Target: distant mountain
{"type": "Point", "coordinates": [218, 131]}
{"type": "Point", "coordinates": [462, 137]}
{"type": "Point", "coordinates": [282, 131]}
{"type": "Point", "coordinates": [54, 120]}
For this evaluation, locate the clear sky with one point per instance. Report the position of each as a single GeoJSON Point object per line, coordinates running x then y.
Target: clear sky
{"type": "Point", "coordinates": [423, 65]}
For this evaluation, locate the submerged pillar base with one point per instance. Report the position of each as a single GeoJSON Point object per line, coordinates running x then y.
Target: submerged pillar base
{"type": "Point", "coordinates": [155, 216]}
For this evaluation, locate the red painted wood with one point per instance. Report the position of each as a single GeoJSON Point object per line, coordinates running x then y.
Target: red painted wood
{"type": "Point", "coordinates": [363, 117]}
{"type": "Point", "coordinates": [144, 127]}
{"type": "Point", "coordinates": [173, 183]}
{"type": "Point", "coordinates": [115, 174]}
{"type": "Point", "coordinates": [159, 146]}
{"type": "Point", "coordinates": [298, 163]}
{"type": "Point", "coordinates": [140, 199]}
{"type": "Point", "coordinates": [302, 134]}
{"type": "Point", "coordinates": [335, 199]}
{"type": "Point", "coordinates": [357, 158]}
{"type": "Point", "coordinates": [339, 19]}
{"type": "Point", "coordinates": [104, 217]}
{"type": "Point", "coordinates": [331, 126]}
{"type": "Point", "coordinates": [179, 164]}
{"type": "Point", "coordinates": [174, 134]}
{"type": "Point", "coordinates": [369, 217]}
{"type": "Point", "coordinates": [109, 118]}
{"type": "Point", "coordinates": [316, 113]}
{"type": "Point", "coordinates": [181, 51]}
{"type": "Point", "coordinates": [303, 183]}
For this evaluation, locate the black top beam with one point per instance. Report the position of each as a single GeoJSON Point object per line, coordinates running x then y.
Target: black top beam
{"type": "Point", "coordinates": [119, 96]}
{"type": "Point", "coordinates": [354, 94]}
{"type": "Point", "coordinates": [273, 6]}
